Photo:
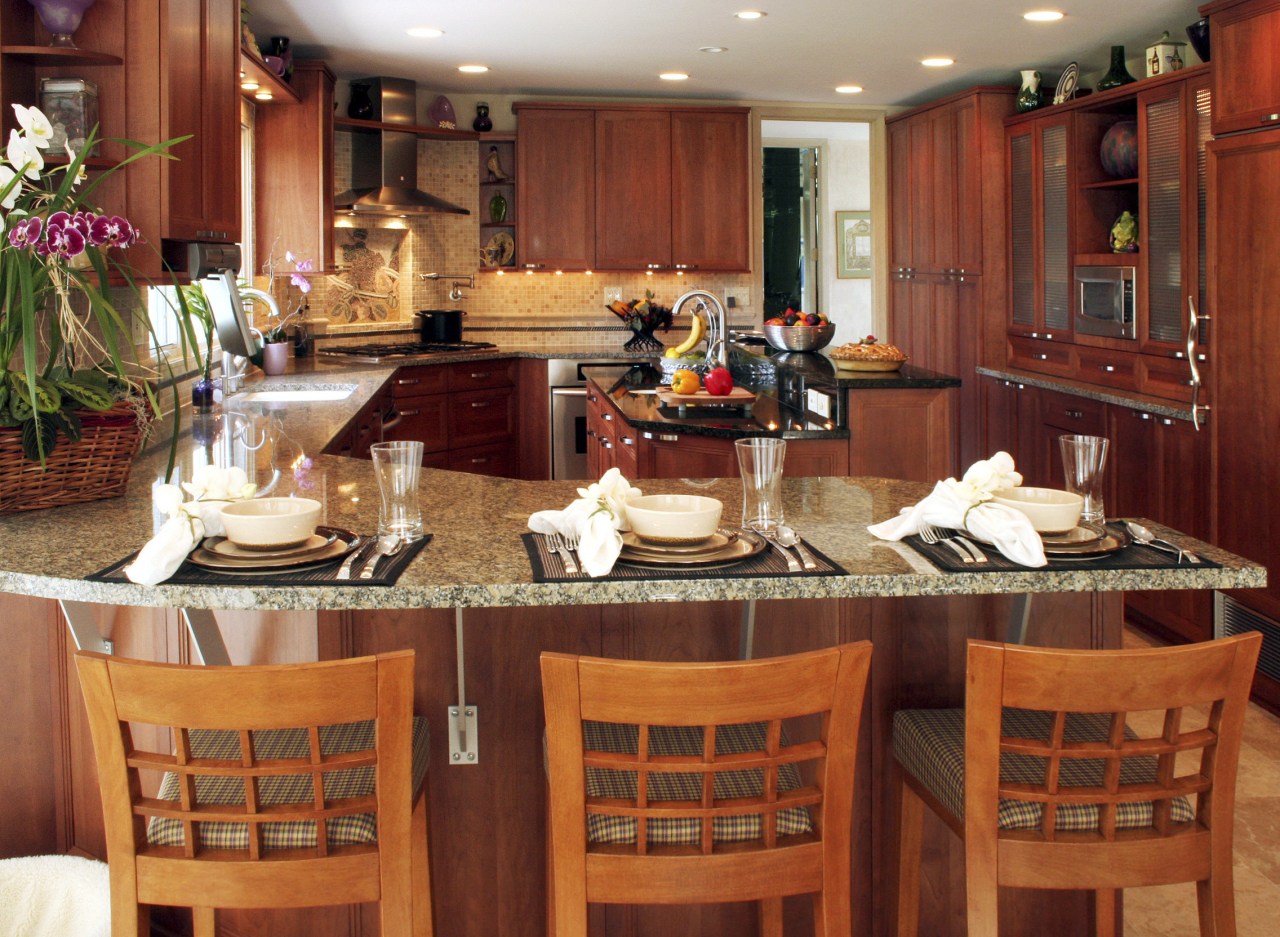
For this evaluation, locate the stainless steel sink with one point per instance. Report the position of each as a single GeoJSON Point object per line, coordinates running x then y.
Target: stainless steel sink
{"type": "Point", "coordinates": [296, 395]}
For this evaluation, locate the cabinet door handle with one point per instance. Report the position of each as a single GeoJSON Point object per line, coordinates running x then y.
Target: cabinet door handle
{"type": "Point", "coordinates": [1106, 368]}
{"type": "Point", "coordinates": [1269, 119]}
{"type": "Point", "coordinates": [591, 398]}
{"type": "Point", "coordinates": [479, 375]}
{"type": "Point", "coordinates": [686, 266]}
{"type": "Point", "coordinates": [480, 460]}
{"type": "Point", "coordinates": [1075, 414]}
{"type": "Point", "coordinates": [410, 412]}
{"type": "Point", "coordinates": [607, 417]}
{"type": "Point", "coordinates": [628, 441]}
{"type": "Point", "coordinates": [406, 381]}
{"type": "Point", "coordinates": [477, 404]}
{"type": "Point", "coordinates": [1193, 333]}
{"type": "Point", "coordinates": [1043, 357]}
{"type": "Point", "coordinates": [535, 266]}
{"type": "Point", "coordinates": [668, 437]}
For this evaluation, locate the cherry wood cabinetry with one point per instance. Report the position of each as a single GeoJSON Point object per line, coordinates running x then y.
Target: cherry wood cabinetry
{"type": "Point", "coordinates": [555, 187]}
{"type": "Point", "coordinates": [366, 428]}
{"type": "Point", "coordinates": [499, 210]}
{"type": "Point", "coordinates": [465, 414]}
{"type": "Point", "coordinates": [634, 187]}
{"type": "Point", "coordinates": [947, 232]}
{"type": "Point", "coordinates": [1246, 81]}
{"type": "Point", "coordinates": [293, 172]}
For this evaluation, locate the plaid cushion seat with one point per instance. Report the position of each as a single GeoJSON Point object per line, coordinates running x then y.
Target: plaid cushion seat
{"type": "Point", "coordinates": [350, 829]}
{"type": "Point", "coordinates": [684, 740]}
{"type": "Point", "coordinates": [929, 743]}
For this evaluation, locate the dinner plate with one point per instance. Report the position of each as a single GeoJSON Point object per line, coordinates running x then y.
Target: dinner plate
{"type": "Point", "coordinates": [338, 547]}
{"type": "Point", "coordinates": [224, 547]}
{"type": "Point", "coordinates": [1071, 537]}
{"type": "Point", "coordinates": [500, 249]}
{"type": "Point", "coordinates": [1067, 84]}
{"type": "Point", "coordinates": [746, 544]}
{"type": "Point", "coordinates": [1108, 543]}
{"type": "Point", "coordinates": [717, 541]}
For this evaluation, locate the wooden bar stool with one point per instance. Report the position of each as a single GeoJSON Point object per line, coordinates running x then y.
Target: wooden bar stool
{"type": "Point", "coordinates": [1048, 786]}
{"type": "Point", "coordinates": [285, 786]}
{"type": "Point", "coordinates": [674, 783]}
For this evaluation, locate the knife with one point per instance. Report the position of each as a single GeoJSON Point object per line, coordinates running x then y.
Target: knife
{"type": "Point", "coordinates": [359, 549]}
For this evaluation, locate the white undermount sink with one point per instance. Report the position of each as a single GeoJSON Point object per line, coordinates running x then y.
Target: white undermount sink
{"type": "Point", "coordinates": [298, 395]}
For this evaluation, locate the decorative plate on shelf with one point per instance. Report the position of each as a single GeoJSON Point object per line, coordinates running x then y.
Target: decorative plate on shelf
{"type": "Point", "coordinates": [1067, 84]}
{"type": "Point", "coordinates": [499, 251]}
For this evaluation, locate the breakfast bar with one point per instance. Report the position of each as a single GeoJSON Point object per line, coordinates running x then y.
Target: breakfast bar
{"type": "Point", "coordinates": [471, 606]}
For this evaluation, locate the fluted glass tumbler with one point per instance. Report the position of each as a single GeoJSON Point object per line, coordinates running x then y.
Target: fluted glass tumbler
{"type": "Point", "coordinates": [398, 466]}
{"type": "Point", "coordinates": [760, 464]}
{"type": "Point", "coordinates": [1084, 463]}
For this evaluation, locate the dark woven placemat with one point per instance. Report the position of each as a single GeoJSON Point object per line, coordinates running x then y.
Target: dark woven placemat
{"type": "Point", "coordinates": [1134, 556]}
{"type": "Point", "coordinates": [548, 567]}
{"type": "Point", "coordinates": [189, 574]}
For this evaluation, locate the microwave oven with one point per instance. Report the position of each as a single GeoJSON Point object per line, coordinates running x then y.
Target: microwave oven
{"type": "Point", "coordinates": [1106, 300]}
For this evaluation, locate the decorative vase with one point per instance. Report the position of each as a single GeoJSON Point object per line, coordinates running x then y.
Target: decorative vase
{"type": "Point", "coordinates": [1124, 234]}
{"type": "Point", "coordinates": [1029, 94]}
{"type": "Point", "coordinates": [202, 395]}
{"type": "Point", "coordinates": [1117, 75]}
{"type": "Point", "coordinates": [1119, 150]}
{"type": "Point", "coordinates": [442, 113]}
{"type": "Point", "coordinates": [497, 209]}
{"type": "Point", "coordinates": [360, 107]}
{"type": "Point", "coordinates": [482, 123]}
{"type": "Point", "coordinates": [1198, 33]}
{"type": "Point", "coordinates": [281, 49]}
{"type": "Point", "coordinates": [61, 18]}
{"type": "Point", "coordinates": [275, 357]}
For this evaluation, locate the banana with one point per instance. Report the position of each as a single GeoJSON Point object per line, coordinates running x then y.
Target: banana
{"type": "Point", "coordinates": [695, 336]}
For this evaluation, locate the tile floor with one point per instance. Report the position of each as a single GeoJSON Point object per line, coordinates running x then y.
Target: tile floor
{"type": "Point", "coordinates": [1170, 911]}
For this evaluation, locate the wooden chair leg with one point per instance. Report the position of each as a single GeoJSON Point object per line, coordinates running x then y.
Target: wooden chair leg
{"type": "Point", "coordinates": [770, 917]}
{"type": "Point", "coordinates": [203, 922]}
{"type": "Point", "coordinates": [1104, 912]}
{"type": "Point", "coordinates": [910, 830]}
{"type": "Point", "coordinates": [1215, 897]}
{"type": "Point", "coordinates": [420, 863]}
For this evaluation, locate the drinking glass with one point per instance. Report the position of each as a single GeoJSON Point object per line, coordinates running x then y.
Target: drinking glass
{"type": "Point", "coordinates": [760, 464]}
{"type": "Point", "coordinates": [397, 466]}
{"type": "Point", "coordinates": [1084, 461]}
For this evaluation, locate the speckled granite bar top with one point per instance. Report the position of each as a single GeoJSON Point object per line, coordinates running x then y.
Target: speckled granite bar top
{"type": "Point", "coordinates": [1167, 408]}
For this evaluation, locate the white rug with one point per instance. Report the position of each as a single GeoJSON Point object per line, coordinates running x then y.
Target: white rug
{"type": "Point", "coordinates": [54, 896]}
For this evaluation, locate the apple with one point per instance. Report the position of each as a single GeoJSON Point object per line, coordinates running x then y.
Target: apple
{"type": "Point", "coordinates": [775, 321]}
{"type": "Point", "coordinates": [718, 382]}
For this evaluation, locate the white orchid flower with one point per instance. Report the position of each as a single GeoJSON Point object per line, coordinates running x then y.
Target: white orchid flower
{"type": "Point", "coordinates": [81, 174]}
{"type": "Point", "coordinates": [8, 185]}
{"type": "Point", "coordinates": [21, 153]}
{"type": "Point", "coordinates": [34, 124]}
{"type": "Point", "coordinates": [213, 483]}
{"type": "Point", "coordinates": [992, 474]}
{"type": "Point", "coordinates": [167, 499]}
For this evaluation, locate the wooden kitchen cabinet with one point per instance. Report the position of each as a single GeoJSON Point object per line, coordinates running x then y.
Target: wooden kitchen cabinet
{"type": "Point", "coordinates": [366, 428]}
{"type": "Point", "coordinates": [555, 187]}
{"type": "Point", "coordinates": [1246, 79]}
{"type": "Point", "coordinates": [293, 171]}
{"type": "Point", "coordinates": [633, 189]}
{"type": "Point", "coordinates": [710, 190]}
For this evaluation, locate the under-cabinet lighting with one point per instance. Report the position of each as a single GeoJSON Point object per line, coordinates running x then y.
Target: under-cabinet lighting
{"type": "Point", "coordinates": [587, 272]}
{"type": "Point", "coordinates": [648, 273]}
{"type": "Point", "coordinates": [674, 76]}
{"type": "Point", "coordinates": [473, 69]}
{"type": "Point", "coordinates": [849, 89]}
{"type": "Point", "coordinates": [750, 15]}
{"type": "Point", "coordinates": [559, 273]}
{"type": "Point", "coordinates": [262, 95]}
{"type": "Point", "coordinates": [501, 272]}
{"type": "Point", "coordinates": [939, 62]}
{"type": "Point", "coordinates": [528, 273]}
{"type": "Point", "coordinates": [248, 84]}
{"type": "Point", "coordinates": [425, 32]}
{"type": "Point", "coordinates": [1043, 16]}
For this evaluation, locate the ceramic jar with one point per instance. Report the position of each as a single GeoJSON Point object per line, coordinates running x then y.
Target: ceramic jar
{"type": "Point", "coordinates": [1029, 94]}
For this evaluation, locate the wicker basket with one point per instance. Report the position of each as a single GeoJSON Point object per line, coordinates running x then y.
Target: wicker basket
{"type": "Point", "coordinates": [96, 467]}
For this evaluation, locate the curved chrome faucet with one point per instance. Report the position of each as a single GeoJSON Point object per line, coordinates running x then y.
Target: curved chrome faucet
{"type": "Point", "coordinates": [717, 329]}
{"type": "Point", "coordinates": [233, 366]}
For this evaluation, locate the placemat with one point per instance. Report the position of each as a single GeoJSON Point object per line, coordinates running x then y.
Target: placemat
{"type": "Point", "coordinates": [548, 567]}
{"type": "Point", "coordinates": [1134, 556]}
{"type": "Point", "coordinates": [189, 574]}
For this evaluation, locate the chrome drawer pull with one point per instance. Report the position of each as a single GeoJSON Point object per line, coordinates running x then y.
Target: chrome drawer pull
{"type": "Point", "coordinates": [1075, 414]}
{"type": "Point", "coordinates": [1107, 368]}
{"type": "Point", "coordinates": [479, 375]}
{"type": "Point", "coordinates": [479, 403]}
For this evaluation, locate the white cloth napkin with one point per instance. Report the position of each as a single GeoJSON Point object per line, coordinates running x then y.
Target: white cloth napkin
{"type": "Point", "coordinates": [188, 522]}
{"type": "Point", "coordinates": [595, 519]}
{"type": "Point", "coordinates": [967, 505]}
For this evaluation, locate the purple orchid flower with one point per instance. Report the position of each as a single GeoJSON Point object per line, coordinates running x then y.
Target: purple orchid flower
{"type": "Point", "coordinates": [64, 240]}
{"type": "Point", "coordinates": [112, 231]}
{"type": "Point", "coordinates": [26, 234]}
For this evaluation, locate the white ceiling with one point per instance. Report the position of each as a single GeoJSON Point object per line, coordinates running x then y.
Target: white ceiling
{"type": "Point", "coordinates": [798, 53]}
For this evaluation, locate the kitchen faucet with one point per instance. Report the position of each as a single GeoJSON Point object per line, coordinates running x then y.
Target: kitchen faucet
{"type": "Point", "coordinates": [455, 291]}
{"type": "Point", "coordinates": [717, 329]}
{"type": "Point", "coordinates": [234, 366]}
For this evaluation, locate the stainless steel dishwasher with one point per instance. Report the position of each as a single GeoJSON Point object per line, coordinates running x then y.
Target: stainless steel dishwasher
{"type": "Point", "coordinates": [569, 413]}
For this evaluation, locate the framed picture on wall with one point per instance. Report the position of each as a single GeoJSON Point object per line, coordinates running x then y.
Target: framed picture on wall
{"type": "Point", "coordinates": [853, 244]}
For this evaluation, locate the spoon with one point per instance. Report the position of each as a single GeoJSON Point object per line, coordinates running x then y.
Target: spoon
{"type": "Point", "coordinates": [789, 538]}
{"type": "Point", "coordinates": [1144, 536]}
{"type": "Point", "coordinates": [388, 545]}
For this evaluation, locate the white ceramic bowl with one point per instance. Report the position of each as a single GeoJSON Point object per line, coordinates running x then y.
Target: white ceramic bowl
{"type": "Point", "coordinates": [674, 519]}
{"type": "Point", "coordinates": [270, 523]}
{"type": "Point", "coordinates": [1051, 510]}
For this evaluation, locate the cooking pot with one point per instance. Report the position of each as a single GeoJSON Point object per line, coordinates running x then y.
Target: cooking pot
{"type": "Point", "coordinates": [440, 325]}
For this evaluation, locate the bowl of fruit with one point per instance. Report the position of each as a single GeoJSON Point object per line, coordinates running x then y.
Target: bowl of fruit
{"type": "Point", "coordinates": [799, 331]}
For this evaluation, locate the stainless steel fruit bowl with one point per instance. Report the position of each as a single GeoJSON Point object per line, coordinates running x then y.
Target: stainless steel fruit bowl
{"type": "Point", "coordinates": [799, 337]}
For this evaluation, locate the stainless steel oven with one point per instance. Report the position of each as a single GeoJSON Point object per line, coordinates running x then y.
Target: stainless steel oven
{"type": "Point", "coordinates": [569, 414]}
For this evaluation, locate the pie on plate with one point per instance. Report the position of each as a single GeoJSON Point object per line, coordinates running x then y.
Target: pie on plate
{"type": "Point", "coordinates": [859, 356]}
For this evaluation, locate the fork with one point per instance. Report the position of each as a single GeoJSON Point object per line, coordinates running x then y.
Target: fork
{"type": "Point", "coordinates": [558, 543]}
{"type": "Point", "coordinates": [962, 547]}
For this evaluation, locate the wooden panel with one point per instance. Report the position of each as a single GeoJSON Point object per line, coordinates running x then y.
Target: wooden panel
{"type": "Point", "coordinates": [1055, 250]}
{"type": "Point", "coordinates": [688, 457]}
{"type": "Point", "coordinates": [1045, 357]}
{"type": "Point", "coordinates": [1167, 377]}
{"type": "Point", "coordinates": [710, 190]}
{"type": "Point", "coordinates": [1022, 221]}
{"type": "Point", "coordinates": [1063, 414]}
{"type": "Point", "coordinates": [633, 189]}
{"type": "Point", "coordinates": [901, 434]}
{"type": "Point", "coordinates": [416, 381]}
{"type": "Point", "coordinates": [900, 253]}
{"type": "Point", "coordinates": [498, 459]}
{"type": "Point", "coordinates": [534, 420]}
{"type": "Point", "coordinates": [425, 419]}
{"type": "Point", "coordinates": [1112, 368]}
{"type": "Point", "coordinates": [480, 375]}
{"type": "Point", "coordinates": [482, 416]}
{"type": "Point", "coordinates": [1246, 69]}
{"type": "Point", "coordinates": [555, 192]}
{"type": "Point", "coordinates": [942, 188]}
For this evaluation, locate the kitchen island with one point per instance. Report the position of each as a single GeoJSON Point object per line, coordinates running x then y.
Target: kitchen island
{"type": "Point", "coordinates": [487, 813]}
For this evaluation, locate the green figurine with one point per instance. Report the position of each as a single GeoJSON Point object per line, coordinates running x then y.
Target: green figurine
{"type": "Point", "coordinates": [1124, 234]}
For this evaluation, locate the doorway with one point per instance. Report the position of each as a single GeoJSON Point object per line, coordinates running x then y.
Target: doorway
{"type": "Point", "coordinates": [791, 247]}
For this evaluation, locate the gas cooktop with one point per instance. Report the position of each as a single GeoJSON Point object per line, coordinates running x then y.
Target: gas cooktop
{"type": "Point", "coordinates": [375, 353]}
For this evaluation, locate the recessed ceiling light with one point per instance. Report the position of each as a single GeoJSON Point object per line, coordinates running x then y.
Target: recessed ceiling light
{"type": "Point", "coordinates": [473, 69]}
{"type": "Point", "coordinates": [750, 15]}
{"type": "Point", "coordinates": [712, 49]}
{"type": "Point", "coordinates": [1043, 16]}
{"type": "Point", "coordinates": [849, 89]}
{"type": "Point", "coordinates": [938, 62]}
{"type": "Point", "coordinates": [674, 76]}
{"type": "Point", "coordinates": [425, 32]}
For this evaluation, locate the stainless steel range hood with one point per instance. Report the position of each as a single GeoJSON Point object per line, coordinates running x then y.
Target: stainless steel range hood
{"type": "Point", "coordinates": [384, 163]}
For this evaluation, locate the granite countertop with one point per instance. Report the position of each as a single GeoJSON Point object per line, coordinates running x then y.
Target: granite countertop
{"type": "Point", "coordinates": [476, 558]}
{"type": "Point", "coordinates": [1169, 408]}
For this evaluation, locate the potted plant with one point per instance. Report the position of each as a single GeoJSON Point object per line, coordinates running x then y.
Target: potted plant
{"type": "Point", "coordinates": [68, 370]}
{"type": "Point", "coordinates": [275, 350]}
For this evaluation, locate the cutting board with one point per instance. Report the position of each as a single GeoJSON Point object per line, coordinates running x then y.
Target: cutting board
{"type": "Point", "coordinates": [735, 398]}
